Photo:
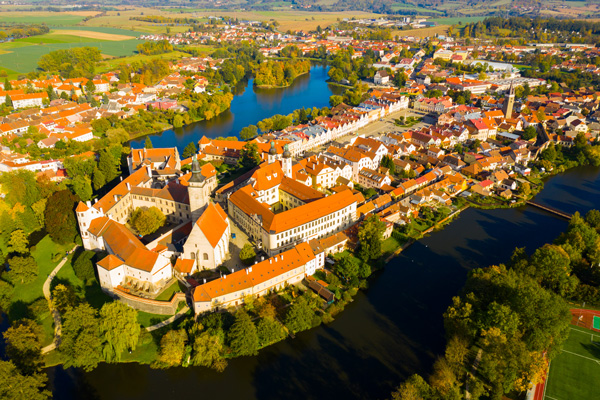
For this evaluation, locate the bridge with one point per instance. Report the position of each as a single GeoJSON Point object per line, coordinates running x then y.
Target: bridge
{"type": "Point", "coordinates": [549, 209]}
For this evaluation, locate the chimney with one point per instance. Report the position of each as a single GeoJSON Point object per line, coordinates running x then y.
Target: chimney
{"type": "Point", "coordinates": [282, 257]}
{"type": "Point", "coordinates": [204, 280]}
{"type": "Point", "coordinates": [128, 186]}
{"type": "Point", "coordinates": [148, 170]}
{"type": "Point", "coordinates": [270, 261]}
{"type": "Point", "coordinates": [88, 203]}
{"type": "Point", "coordinates": [116, 198]}
{"type": "Point", "coordinates": [249, 269]}
{"type": "Point", "coordinates": [101, 212]}
{"type": "Point", "coordinates": [225, 276]}
{"type": "Point", "coordinates": [275, 258]}
{"type": "Point", "coordinates": [95, 200]}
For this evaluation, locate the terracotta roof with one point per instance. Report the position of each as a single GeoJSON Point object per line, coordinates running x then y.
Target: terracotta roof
{"type": "Point", "coordinates": [81, 207]}
{"type": "Point", "coordinates": [110, 262]}
{"type": "Point", "coordinates": [257, 274]}
{"type": "Point", "coordinates": [213, 223]}
{"type": "Point", "coordinates": [184, 266]}
{"type": "Point", "coordinates": [108, 201]}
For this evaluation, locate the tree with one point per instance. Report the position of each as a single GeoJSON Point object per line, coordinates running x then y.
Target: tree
{"type": "Point", "coordinates": [108, 165]}
{"type": "Point", "coordinates": [529, 133]}
{"type": "Point", "coordinates": [83, 266]}
{"type": "Point", "coordinates": [60, 217]}
{"type": "Point", "coordinates": [23, 269]}
{"type": "Point", "coordinates": [16, 386]}
{"type": "Point", "coordinates": [81, 342]}
{"type": "Point", "coordinates": [242, 336]}
{"type": "Point", "coordinates": [148, 143]}
{"type": "Point", "coordinates": [172, 348]}
{"type": "Point", "coordinates": [347, 267]}
{"type": "Point", "coordinates": [120, 329]}
{"type": "Point", "coordinates": [189, 150]}
{"type": "Point", "coordinates": [82, 187]}
{"type": "Point", "coordinates": [248, 132]}
{"type": "Point", "coordinates": [147, 220]}
{"type": "Point", "coordinates": [6, 292]}
{"type": "Point", "coordinates": [269, 331]}
{"type": "Point", "coordinates": [370, 236]}
{"type": "Point", "coordinates": [90, 87]}
{"type": "Point", "coordinates": [23, 347]}
{"type": "Point", "coordinates": [414, 388]}
{"type": "Point", "coordinates": [299, 316]}
{"type": "Point", "coordinates": [18, 242]}
{"type": "Point", "coordinates": [207, 351]}
{"type": "Point", "coordinates": [178, 121]}
{"type": "Point", "coordinates": [63, 298]}
{"type": "Point", "coordinates": [335, 100]}
{"type": "Point", "coordinates": [388, 162]}
{"type": "Point", "coordinates": [98, 179]}
{"type": "Point", "coordinates": [247, 254]}
{"type": "Point", "coordinates": [525, 189]}
{"type": "Point", "coordinates": [249, 157]}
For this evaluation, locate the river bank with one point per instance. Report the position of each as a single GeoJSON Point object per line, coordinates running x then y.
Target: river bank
{"type": "Point", "coordinates": [280, 86]}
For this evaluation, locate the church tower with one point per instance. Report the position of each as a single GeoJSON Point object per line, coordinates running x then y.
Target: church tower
{"type": "Point", "coordinates": [272, 153]}
{"type": "Point", "coordinates": [509, 102]}
{"type": "Point", "coordinates": [286, 162]}
{"type": "Point", "coordinates": [197, 190]}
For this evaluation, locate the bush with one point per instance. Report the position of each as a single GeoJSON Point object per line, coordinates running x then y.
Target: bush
{"type": "Point", "coordinates": [247, 254]}
{"type": "Point", "coordinates": [84, 267]}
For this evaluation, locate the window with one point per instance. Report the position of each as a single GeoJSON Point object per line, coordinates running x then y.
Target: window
{"type": "Point", "coordinates": [205, 256]}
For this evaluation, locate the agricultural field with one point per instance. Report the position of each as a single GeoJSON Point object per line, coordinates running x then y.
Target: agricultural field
{"type": "Point", "coordinates": [422, 32]}
{"type": "Point", "coordinates": [48, 18]}
{"type": "Point", "coordinates": [22, 57]}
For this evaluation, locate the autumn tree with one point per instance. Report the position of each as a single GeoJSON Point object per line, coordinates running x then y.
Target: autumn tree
{"type": "Point", "coordinates": [269, 331]}
{"type": "Point", "coordinates": [81, 340]}
{"type": "Point", "coordinates": [16, 386]}
{"type": "Point", "coordinates": [23, 346]}
{"type": "Point", "coordinates": [207, 350]}
{"type": "Point", "coordinates": [18, 242]}
{"type": "Point", "coordinates": [64, 298]}
{"type": "Point", "coordinates": [172, 348]}
{"type": "Point", "coordinates": [248, 132]}
{"type": "Point", "coordinates": [147, 220]}
{"type": "Point", "coordinates": [120, 329]}
{"type": "Point", "coordinates": [22, 269]}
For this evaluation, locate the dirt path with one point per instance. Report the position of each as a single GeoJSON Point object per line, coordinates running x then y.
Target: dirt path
{"type": "Point", "coordinates": [55, 313]}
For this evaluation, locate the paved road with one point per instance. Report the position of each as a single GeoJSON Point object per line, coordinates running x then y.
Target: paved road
{"type": "Point", "coordinates": [170, 320]}
{"type": "Point", "coordinates": [55, 313]}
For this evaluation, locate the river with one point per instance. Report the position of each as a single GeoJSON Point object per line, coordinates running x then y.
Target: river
{"type": "Point", "coordinates": [390, 331]}
{"type": "Point", "coordinates": [251, 105]}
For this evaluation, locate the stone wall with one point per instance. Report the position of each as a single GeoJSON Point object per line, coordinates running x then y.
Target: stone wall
{"type": "Point", "coordinates": [147, 305]}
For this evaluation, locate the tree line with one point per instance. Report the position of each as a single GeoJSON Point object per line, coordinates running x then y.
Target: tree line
{"type": "Point", "coordinates": [17, 31]}
{"type": "Point", "coordinates": [154, 47]}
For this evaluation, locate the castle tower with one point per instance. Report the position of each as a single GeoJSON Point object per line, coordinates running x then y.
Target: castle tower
{"type": "Point", "coordinates": [197, 190]}
{"type": "Point", "coordinates": [272, 153]}
{"type": "Point", "coordinates": [286, 162]}
{"type": "Point", "coordinates": [509, 102]}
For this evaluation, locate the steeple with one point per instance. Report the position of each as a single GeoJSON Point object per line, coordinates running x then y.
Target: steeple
{"type": "Point", "coordinates": [196, 171]}
{"type": "Point", "coordinates": [286, 162]}
{"type": "Point", "coordinates": [509, 101]}
{"type": "Point", "coordinates": [272, 153]}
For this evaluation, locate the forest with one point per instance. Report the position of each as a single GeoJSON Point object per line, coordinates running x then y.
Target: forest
{"type": "Point", "coordinates": [155, 47]}
{"type": "Point", "coordinates": [17, 31]}
{"type": "Point", "coordinates": [71, 63]}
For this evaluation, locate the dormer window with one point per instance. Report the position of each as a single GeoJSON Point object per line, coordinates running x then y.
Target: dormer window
{"type": "Point", "coordinates": [268, 178]}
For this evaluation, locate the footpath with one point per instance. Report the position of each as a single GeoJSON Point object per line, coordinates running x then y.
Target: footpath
{"type": "Point", "coordinates": [55, 313]}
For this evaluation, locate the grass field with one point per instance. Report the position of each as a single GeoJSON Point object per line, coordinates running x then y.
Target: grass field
{"type": "Point", "coordinates": [24, 56]}
{"type": "Point", "coordinates": [48, 18]}
{"type": "Point", "coordinates": [574, 373]}
{"type": "Point", "coordinates": [112, 63]}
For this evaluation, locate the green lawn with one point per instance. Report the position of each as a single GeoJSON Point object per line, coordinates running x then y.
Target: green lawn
{"type": "Point", "coordinates": [146, 319]}
{"type": "Point", "coordinates": [574, 372]}
{"type": "Point", "coordinates": [168, 292]}
{"type": "Point", "coordinates": [43, 252]}
{"type": "Point", "coordinates": [390, 245]}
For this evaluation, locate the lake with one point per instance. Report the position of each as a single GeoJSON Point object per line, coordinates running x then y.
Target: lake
{"type": "Point", "coordinates": [390, 331]}
{"type": "Point", "coordinates": [249, 106]}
